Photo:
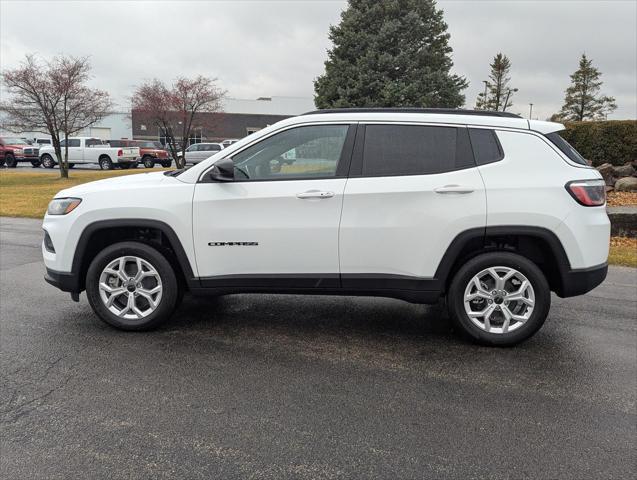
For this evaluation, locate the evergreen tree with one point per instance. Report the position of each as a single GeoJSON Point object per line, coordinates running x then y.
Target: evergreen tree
{"type": "Point", "coordinates": [390, 53]}
{"type": "Point", "coordinates": [498, 91]}
{"type": "Point", "coordinates": [583, 100]}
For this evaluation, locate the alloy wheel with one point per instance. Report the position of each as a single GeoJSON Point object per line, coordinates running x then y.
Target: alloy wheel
{"type": "Point", "coordinates": [499, 300]}
{"type": "Point", "coordinates": [130, 287]}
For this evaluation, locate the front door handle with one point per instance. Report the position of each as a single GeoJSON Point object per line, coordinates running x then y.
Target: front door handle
{"type": "Point", "coordinates": [460, 189]}
{"type": "Point", "coordinates": [315, 194]}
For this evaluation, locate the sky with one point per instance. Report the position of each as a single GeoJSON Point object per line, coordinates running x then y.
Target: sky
{"type": "Point", "coordinates": [265, 48]}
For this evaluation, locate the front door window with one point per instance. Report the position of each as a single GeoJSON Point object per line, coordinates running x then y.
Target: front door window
{"type": "Point", "coordinates": [301, 152]}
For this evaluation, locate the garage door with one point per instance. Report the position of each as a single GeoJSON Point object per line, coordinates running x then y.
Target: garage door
{"type": "Point", "coordinates": [102, 133]}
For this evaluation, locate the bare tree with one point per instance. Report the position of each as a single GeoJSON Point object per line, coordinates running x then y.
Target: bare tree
{"type": "Point", "coordinates": [176, 110]}
{"type": "Point", "coordinates": [52, 98]}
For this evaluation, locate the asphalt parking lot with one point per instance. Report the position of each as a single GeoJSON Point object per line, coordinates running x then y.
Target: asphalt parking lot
{"type": "Point", "coordinates": [308, 387]}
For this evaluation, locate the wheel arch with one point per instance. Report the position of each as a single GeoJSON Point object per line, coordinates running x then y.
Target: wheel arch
{"type": "Point", "coordinates": [156, 233]}
{"type": "Point", "coordinates": [537, 244]}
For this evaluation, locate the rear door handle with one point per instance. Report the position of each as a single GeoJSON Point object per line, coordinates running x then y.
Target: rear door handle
{"type": "Point", "coordinates": [315, 194]}
{"type": "Point", "coordinates": [460, 189]}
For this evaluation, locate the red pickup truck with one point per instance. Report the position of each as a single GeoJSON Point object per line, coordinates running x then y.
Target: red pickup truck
{"type": "Point", "coordinates": [14, 150]}
{"type": "Point", "coordinates": [150, 152]}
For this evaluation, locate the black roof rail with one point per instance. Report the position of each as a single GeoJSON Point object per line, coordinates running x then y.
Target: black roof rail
{"type": "Point", "coordinates": [445, 111]}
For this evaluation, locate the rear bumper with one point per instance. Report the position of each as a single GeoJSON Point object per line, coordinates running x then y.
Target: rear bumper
{"type": "Point", "coordinates": [582, 280]}
{"type": "Point", "coordinates": [67, 282]}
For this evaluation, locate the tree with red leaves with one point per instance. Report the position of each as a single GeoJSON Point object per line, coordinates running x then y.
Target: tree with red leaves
{"type": "Point", "coordinates": [52, 98]}
{"type": "Point", "coordinates": [177, 109]}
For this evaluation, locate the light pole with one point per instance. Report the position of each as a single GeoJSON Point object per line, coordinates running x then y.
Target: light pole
{"type": "Point", "coordinates": [530, 110]}
{"type": "Point", "coordinates": [506, 102]}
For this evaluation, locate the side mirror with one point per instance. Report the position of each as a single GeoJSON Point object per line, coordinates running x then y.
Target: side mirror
{"type": "Point", "coordinates": [223, 170]}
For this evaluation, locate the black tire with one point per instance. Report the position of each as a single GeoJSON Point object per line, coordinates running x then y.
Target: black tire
{"type": "Point", "coordinates": [455, 298]}
{"type": "Point", "coordinates": [166, 163]}
{"type": "Point", "coordinates": [105, 163]}
{"type": "Point", "coordinates": [170, 287]}
{"type": "Point", "coordinates": [47, 161]}
{"type": "Point", "coordinates": [71, 165]}
{"type": "Point", "coordinates": [36, 163]}
{"type": "Point", "coordinates": [11, 161]}
{"type": "Point", "coordinates": [148, 161]}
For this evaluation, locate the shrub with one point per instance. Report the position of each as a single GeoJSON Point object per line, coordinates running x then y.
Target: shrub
{"type": "Point", "coordinates": [612, 141]}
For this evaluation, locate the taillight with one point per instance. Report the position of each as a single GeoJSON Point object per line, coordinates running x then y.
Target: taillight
{"type": "Point", "coordinates": [120, 152]}
{"type": "Point", "coordinates": [590, 193]}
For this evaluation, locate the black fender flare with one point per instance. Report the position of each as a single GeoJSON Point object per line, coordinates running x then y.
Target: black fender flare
{"type": "Point", "coordinates": [164, 228]}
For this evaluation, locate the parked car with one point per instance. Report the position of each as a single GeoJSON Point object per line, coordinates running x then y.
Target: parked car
{"type": "Point", "coordinates": [197, 152]}
{"type": "Point", "coordinates": [83, 150]}
{"type": "Point", "coordinates": [150, 152]}
{"type": "Point", "coordinates": [16, 149]}
{"type": "Point", "coordinates": [229, 141]}
{"type": "Point", "coordinates": [488, 210]}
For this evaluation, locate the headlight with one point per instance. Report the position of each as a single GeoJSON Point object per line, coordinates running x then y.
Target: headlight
{"type": "Point", "coordinates": [62, 206]}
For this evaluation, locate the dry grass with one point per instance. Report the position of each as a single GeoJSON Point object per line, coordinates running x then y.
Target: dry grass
{"type": "Point", "coordinates": [618, 199]}
{"type": "Point", "coordinates": [28, 194]}
{"type": "Point", "coordinates": [623, 251]}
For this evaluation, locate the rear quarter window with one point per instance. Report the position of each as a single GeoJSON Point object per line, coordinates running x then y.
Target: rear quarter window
{"type": "Point", "coordinates": [486, 147]}
{"type": "Point", "coordinates": [556, 139]}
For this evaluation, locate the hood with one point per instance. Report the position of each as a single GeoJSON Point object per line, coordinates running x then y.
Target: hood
{"type": "Point", "coordinates": [125, 182]}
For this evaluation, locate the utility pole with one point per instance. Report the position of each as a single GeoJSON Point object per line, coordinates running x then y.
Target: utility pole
{"type": "Point", "coordinates": [530, 110]}
{"type": "Point", "coordinates": [506, 102]}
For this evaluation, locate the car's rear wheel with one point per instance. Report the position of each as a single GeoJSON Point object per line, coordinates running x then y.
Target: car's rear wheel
{"type": "Point", "coordinates": [499, 299]}
{"type": "Point", "coordinates": [148, 161]}
{"type": "Point", "coordinates": [132, 286]}
{"type": "Point", "coordinates": [47, 161]}
{"type": "Point", "coordinates": [11, 161]}
{"type": "Point", "coordinates": [166, 163]}
{"type": "Point", "coordinates": [105, 163]}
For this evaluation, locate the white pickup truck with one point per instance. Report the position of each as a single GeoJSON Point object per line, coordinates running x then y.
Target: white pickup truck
{"type": "Point", "coordinates": [84, 150]}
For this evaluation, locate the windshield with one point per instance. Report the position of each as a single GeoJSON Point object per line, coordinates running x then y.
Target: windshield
{"type": "Point", "coordinates": [15, 141]}
{"type": "Point", "coordinates": [147, 145]}
{"type": "Point", "coordinates": [566, 148]}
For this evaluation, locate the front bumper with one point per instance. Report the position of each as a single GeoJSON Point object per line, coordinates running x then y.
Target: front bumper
{"type": "Point", "coordinates": [26, 158]}
{"type": "Point", "coordinates": [582, 280]}
{"type": "Point", "coordinates": [67, 282]}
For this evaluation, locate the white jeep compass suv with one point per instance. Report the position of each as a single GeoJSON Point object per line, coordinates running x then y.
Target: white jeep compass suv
{"type": "Point", "coordinates": [485, 209]}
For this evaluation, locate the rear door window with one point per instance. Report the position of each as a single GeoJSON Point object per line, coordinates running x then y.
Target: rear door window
{"type": "Point", "coordinates": [414, 150]}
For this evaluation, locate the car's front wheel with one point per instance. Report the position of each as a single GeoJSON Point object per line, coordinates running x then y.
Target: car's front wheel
{"type": "Point", "coordinates": [499, 299]}
{"type": "Point", "coordinates": [47, 161]}
{"type": "Point", "coordinates": [148, 161]}
{"type": "Point", "coordinates": [132, 286]}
